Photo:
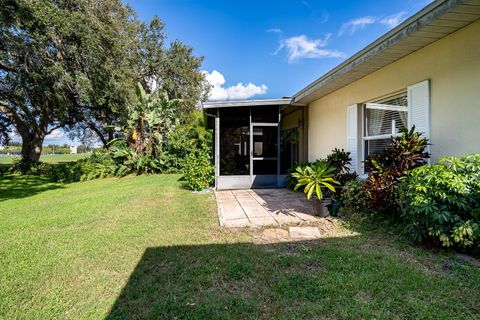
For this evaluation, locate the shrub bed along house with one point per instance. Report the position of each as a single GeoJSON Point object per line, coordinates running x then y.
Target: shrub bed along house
{"type": "Point", "coordinates": [385, 169]}
{"type": "Point", "coordinates": [441, 203]}
{"type": "Point", "coordinates": [438, 204]}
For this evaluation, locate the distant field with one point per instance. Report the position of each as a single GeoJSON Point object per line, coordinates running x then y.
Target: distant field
{"type": "Point", "coordinates": [57, 158]}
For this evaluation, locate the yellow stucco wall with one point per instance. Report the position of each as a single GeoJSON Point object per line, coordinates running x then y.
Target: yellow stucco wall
{"type": "Point", "coordinates": [453, 66]}
{"type": "Point", "coordinates": [295, 119]}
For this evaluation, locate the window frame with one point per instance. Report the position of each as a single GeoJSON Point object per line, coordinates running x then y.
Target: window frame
{"type": "Point", "coordinates": [365, 137]}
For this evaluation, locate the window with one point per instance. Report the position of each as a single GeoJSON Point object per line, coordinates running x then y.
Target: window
{"type": "Point", "coordinates": [382, 120]}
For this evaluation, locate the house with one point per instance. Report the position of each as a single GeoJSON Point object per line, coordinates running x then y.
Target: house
{"type": "Point", "coordinates": [424, 72]}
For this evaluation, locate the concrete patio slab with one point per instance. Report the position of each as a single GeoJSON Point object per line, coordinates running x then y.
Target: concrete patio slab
{"type": "Point", "coordinates": [263, 207]}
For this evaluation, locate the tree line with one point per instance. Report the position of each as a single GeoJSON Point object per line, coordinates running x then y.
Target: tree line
{"type": "Point", "coordinates": [16, 149]}
{"type": "Point", "coordinates": [76, 65]}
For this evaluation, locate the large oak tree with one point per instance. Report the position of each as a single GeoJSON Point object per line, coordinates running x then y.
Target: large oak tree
{"type": "Point", "coordinates": [73, 64]}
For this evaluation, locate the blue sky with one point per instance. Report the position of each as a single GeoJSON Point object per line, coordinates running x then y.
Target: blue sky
{"type": "Point", "coordinates": [282, 45]}
{"type": "Point", "coordinates": [270, 49]}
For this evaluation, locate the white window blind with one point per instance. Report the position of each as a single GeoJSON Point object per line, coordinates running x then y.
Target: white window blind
{"type": "Point", "coordinates": [383, 119]}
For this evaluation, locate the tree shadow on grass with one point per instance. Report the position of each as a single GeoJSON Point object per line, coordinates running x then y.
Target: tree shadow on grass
{"type": "Point", "coordinates": [329, 278]}
{"type": "Point", "coordinates": [4, 167]}
{"type": "Point", "coordinates": [15, 186]}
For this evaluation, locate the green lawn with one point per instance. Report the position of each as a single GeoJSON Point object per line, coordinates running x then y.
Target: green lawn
{"type": "Point", "coordinates": [6, 161]}
{"type": "Point", "coordinates": [50, 158]}
{"type": "Point", "coordinates": [142, 247]}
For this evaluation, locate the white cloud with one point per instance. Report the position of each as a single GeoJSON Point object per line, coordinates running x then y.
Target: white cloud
{"type": "Point", "coordinates": [55, 134]}
{"type": "Point", "coordinates": [275, 30]}
{"type": "Point", "coordinates": [354, 25]}
{"type": "Point", "coordinates": [237, 92]}
{"type": "Point", "coordinates": [393, 20]}
{"type": "Point", "coordinates": [301, 46]}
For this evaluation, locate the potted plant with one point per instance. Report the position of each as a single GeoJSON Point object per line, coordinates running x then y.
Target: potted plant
{"type": "Point", "coordinates": [317, 180]}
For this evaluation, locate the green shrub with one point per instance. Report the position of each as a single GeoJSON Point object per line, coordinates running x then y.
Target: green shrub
{"type": "Point", "coordinates": [192, 135]}
{"type": "Point", "coordinates": [66, 172]}
{"type": "Point", "coordinates": [441, 203]}
{"type": "Point", "coordinates": [118, 161]}
{"type": "Point", "coordinates": [406, 152]}
{"type": "Point", "coordinates": [60, 172]}
{"type": "Point", "coordinates": [23, 166]}
{"type": "Point", "coordinates": [341, 160]}
{"type": "Point", "coordinates": [99, 164]}
{"type": "Point", "coordinates": [199, 172]}
{"type": "Point", "coordinates": [354, 198]}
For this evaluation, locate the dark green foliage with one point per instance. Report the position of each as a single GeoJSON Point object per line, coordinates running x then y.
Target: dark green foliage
{"type": "Point", "coordinates": [354, 197]}
{"type": "Point", "coordinates": [62, 62]}
{"type": "Point", "coordinates": [406, 152]}
{"type": "Point", "coordinates": [198, 169]}
{"type": "Point", "coordinates": [99, 165]}
{"type": "Point", "coordinates": [60, 172]}
{"type": "Point", "coordinates": [341, 160]}
{"type": "Point", "coordinates": [73, 64]}
{"type": "Point", "coordinates": [191, 135]}
{"type": "Point", "coordinates": [128, 161]}
{"type": "Point", "coordinates": [441, 203]}
{"type": "Point", "coordinates": [199, 172]}
{"type": "Point", "coordinates": [117, 161]}
{"type": "Point", "coordinates": [24, 166]}
{"type": "Point", "coordinates": [186, 149]}
{"type": "Point", "coordinates": [156, 143]}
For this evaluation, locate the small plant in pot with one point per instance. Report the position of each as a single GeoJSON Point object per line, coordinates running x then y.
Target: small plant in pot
{"type": "Point", "coordinates": [318, 181]}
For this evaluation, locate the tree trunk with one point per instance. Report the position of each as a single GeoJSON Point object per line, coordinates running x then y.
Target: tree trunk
{"type": "Point", "coordinates": [32, 145]}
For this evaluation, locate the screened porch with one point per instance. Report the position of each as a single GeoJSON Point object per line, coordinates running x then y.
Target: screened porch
{"type": "Point", "coordinates": [256, 142]}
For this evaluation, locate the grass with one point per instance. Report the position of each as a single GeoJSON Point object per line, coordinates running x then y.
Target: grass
{"type": "Point", "coordinates": [50, 158]}
{"type": "Point", "coordinates": [144, 248]}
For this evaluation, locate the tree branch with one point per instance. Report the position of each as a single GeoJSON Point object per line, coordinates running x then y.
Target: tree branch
{"type": "Point", "coordinates": [4, 66]}
{"type": "Point", "coordinates": [54, 128]}
{"type": "Point", "coordinates": [98, 132]}
{"type": "Point", "coordinates": [15, 118]}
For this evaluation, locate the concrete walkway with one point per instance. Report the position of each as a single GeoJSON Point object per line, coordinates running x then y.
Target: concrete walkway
{"type": "Point", "coordinates": [263, 207]}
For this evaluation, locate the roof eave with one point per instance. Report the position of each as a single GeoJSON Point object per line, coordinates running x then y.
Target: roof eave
{"type": "Point", "coordinates": [421, 19]}
{"type": "Point", "coordinates": [247, 103]}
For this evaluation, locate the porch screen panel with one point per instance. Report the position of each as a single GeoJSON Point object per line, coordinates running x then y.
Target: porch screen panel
{"type": "Point", "coordinates": [264, 142]}
{"type": "Point", "coordinates": [235, 141]}
{"type": "Point", "coordinates": [289, 149]}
